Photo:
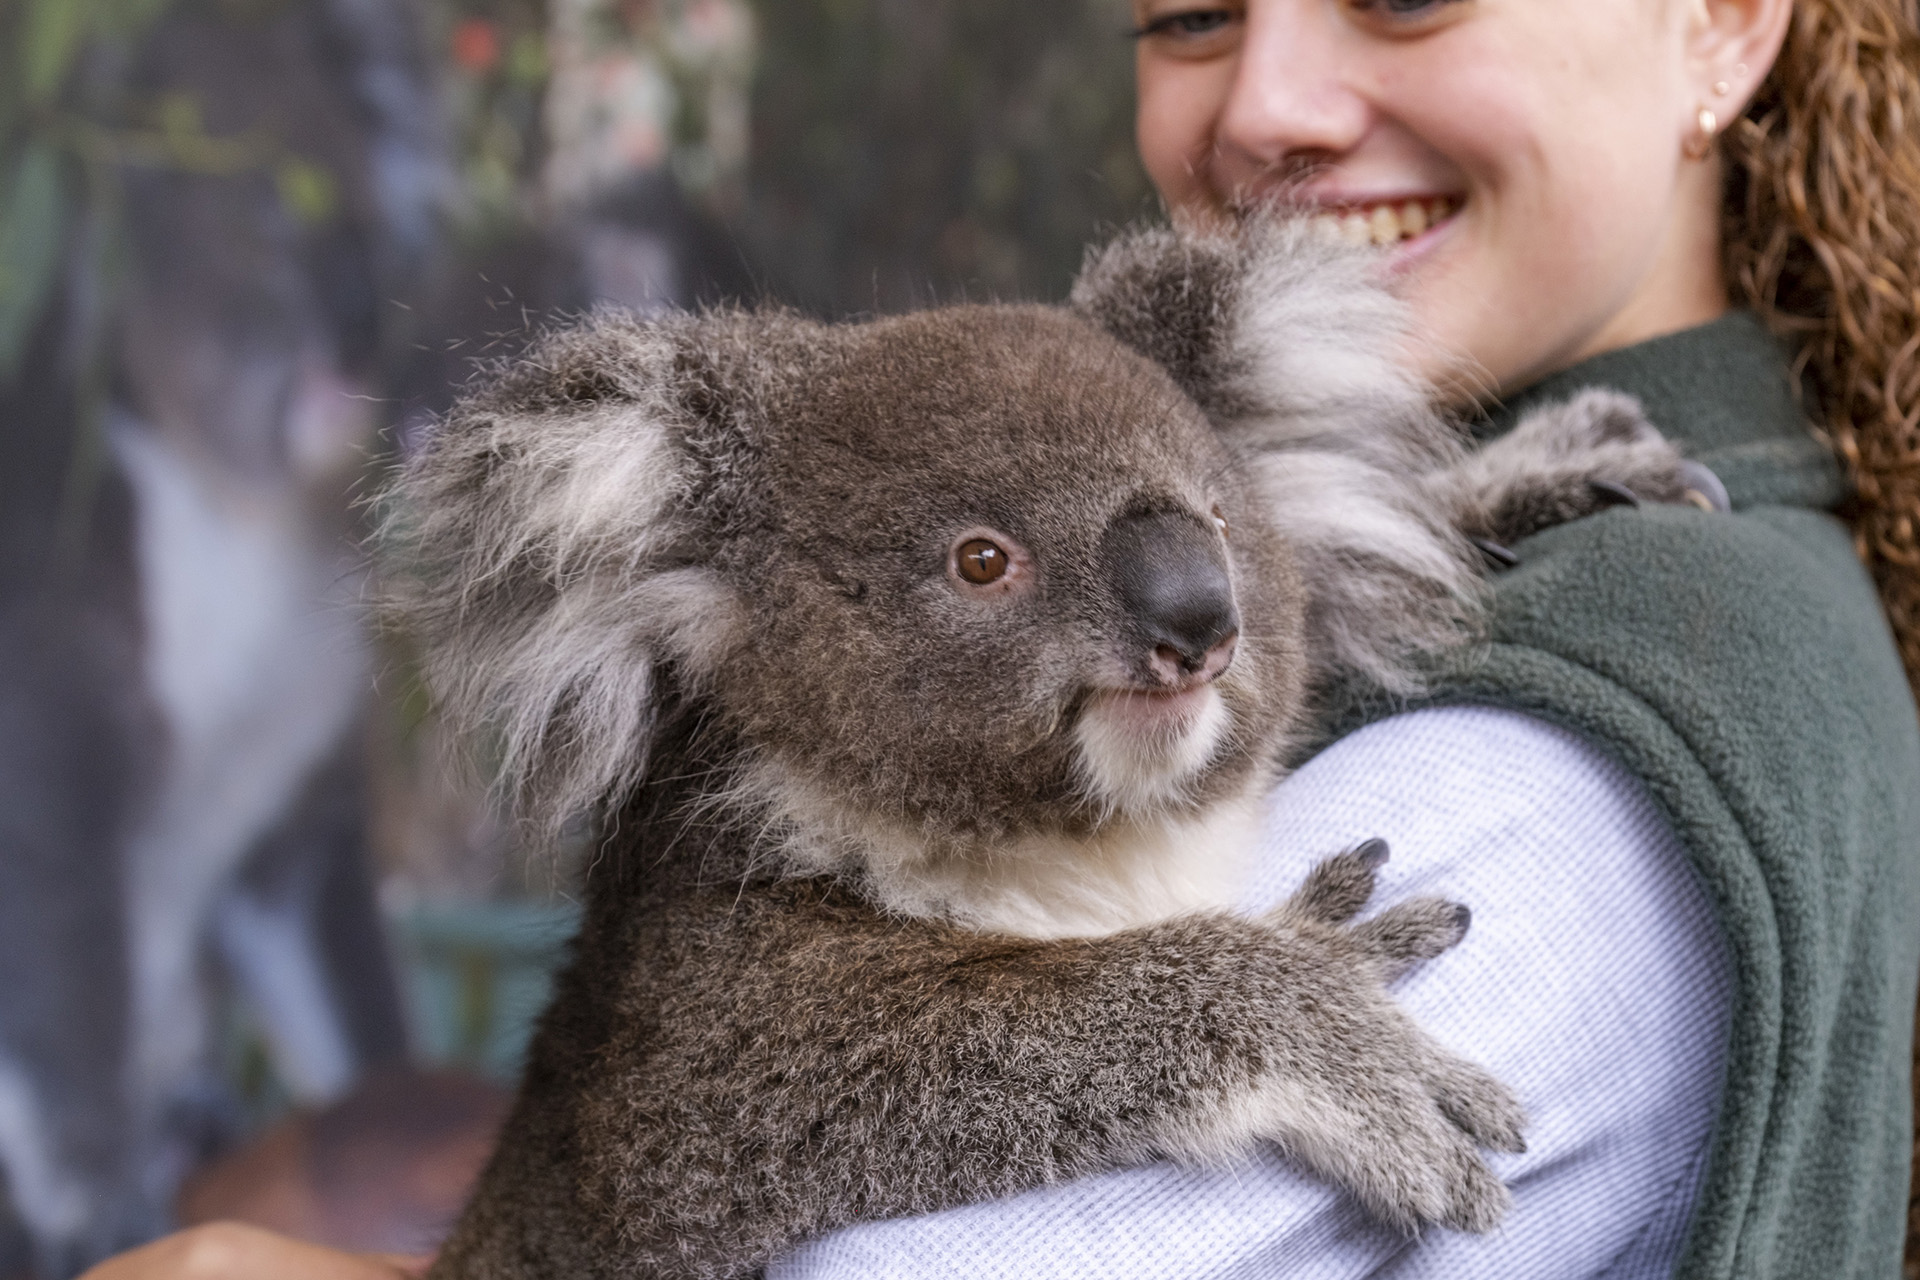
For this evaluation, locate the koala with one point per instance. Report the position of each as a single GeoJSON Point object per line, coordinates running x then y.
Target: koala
{"type": "Point", "coordinates": [922, 678]}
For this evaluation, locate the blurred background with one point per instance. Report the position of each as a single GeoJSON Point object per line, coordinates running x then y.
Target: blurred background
{"type": "Point", "coordinates": [263, 953]}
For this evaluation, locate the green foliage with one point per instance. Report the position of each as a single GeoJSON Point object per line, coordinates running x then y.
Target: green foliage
{"type": "Point", "coordinates": [50, 38]}
{"type": "Point", "coordinates": [65, 136]}
{"type": "Point", "coordinates": [47, 143]}
{"type": "Point", "coordinates": [50, 35]}
{"type": "Point", "coordinates": [32, 229]}
{"type": "Point", "coordinates": [496, 60]}
{"type": "Point", "coordinates": [526, 64]}
{"type": "Point", "coordinates": [307, 190]}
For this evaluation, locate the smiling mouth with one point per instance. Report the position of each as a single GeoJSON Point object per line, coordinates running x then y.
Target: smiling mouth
{"type": "Point", "coordinates": [1386, 222]}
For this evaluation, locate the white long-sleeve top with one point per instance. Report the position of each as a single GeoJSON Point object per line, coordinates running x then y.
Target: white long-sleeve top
{"type": "Point", "coordinates": [1594, 981]}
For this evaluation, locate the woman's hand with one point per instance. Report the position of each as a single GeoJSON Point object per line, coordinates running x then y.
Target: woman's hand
{"type": "Point", "coordinates": [235, 1251]}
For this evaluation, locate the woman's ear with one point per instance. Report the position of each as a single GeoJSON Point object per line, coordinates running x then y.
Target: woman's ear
{"type": "Point", "coordinates": [1731, 46]}
{"type": "Point", "coordinates": [539, 551]}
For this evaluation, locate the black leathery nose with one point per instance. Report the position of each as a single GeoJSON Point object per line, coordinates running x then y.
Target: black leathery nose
{"type": "Point", "coordinates": [1171, 574]}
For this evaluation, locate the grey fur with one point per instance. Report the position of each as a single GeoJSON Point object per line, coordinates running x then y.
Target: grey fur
{"type": "Point", "coordinates": [1540, 474]}
{"type": "Point", "coordinates": [869, 934]}
{"type": "Point", "coordinates": [1294, 353]}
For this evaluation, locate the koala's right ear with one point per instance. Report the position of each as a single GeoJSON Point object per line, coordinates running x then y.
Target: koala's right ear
{"type": "Point", "coordinates": [537, 548]}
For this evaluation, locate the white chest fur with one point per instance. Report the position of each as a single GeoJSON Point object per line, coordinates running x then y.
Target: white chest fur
{"type": "Point", "coordinates": [1129, 874]}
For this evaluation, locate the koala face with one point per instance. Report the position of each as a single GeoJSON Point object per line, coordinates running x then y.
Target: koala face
{"type": "Point", "coordinates": [1000, 577]}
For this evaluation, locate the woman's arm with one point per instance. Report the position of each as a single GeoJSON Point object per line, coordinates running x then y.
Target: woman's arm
{"type": "Point", "coordinates": [1593, 982]}
{"type": "Point", "coordinates": [234, 1251]}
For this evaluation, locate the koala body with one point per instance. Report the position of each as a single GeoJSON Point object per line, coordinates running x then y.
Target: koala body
{"type": "Point", "coordinates": [926, 676]}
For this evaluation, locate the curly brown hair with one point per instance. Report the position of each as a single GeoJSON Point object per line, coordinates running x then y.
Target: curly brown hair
{"type": "Point", "coordinates": [1822, 236]}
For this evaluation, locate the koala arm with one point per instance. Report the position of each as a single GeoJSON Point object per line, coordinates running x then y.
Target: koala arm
{"type": "Point", "coordinates": [814, 1063]}
{"type": "Point", "coordinates": [1595, 982]}
{"type": "Point", "coordinates": [1562, 462]}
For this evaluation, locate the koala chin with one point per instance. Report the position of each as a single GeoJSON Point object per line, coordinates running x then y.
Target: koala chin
{"type": "Point", "coordinates": [923, 679]}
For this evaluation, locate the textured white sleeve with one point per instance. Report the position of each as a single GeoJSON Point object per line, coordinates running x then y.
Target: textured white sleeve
{"type": "Point", "coordinates": [1593, 981]}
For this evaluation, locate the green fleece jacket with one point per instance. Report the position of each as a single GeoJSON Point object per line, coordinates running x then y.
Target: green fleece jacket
{"type": "Point", "coordinates": [1742, 666]}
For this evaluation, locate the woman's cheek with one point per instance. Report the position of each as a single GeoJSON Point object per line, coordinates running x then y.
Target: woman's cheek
{"type": "Point", "coordinates": [1543, 253]}
{"type": "Point", "coordinates": [1179, 104]}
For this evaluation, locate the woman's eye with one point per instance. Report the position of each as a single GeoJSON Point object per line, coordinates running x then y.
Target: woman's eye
{"type": "Point", "coordinates": [1191, 33]}
{"type": "Point", "coordinates": [981, 562]}
{"type": "Point", "coordinates": [1409, 12]}
{"type": "Point", "coordinates": [1193, 22]}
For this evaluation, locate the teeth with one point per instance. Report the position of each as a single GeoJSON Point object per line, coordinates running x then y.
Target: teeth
{"type": "Point", "coordinates": [1383, 224]}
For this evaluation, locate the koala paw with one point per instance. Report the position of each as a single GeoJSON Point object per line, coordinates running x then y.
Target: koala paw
{"type": "Point", "coordinates": [1570, 460]}
{"type": "Point", "coordinates": [1370, 1101]}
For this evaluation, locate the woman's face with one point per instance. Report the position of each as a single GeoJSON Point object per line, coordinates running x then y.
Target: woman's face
{"type": "Point", "coordinates": [1524, 159]}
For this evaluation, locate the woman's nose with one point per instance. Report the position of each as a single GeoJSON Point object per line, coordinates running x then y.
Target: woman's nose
{"type": "Point", "coordinates": [1293, 102]}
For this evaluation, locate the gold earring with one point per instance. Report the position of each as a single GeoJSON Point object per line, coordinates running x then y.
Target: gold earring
{"type": "Point", "coordinates": [1701, 143]}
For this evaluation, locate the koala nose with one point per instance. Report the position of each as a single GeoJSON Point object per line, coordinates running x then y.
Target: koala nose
{"type": "Point", "coordinates": [1171, 573]}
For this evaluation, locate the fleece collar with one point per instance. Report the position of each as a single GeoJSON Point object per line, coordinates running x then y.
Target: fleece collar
{"type": "Point", "coordinates": [1725, 393]}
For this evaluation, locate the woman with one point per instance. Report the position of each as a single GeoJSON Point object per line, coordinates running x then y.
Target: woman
{"type": "Point", "coordinates": [1700, 980]}
{"type": "Point", "coordinates": [1682, 792]}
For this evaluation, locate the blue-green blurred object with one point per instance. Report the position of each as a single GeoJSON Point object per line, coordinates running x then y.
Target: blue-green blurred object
{"type": "Point", "coordinates": [477, 975]}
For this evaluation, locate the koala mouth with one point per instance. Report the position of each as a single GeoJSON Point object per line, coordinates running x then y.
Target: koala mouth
{"type": "Point", "coordinates": [1139, 748]}
{"type": "Point", "coordinates": [1155, 713]}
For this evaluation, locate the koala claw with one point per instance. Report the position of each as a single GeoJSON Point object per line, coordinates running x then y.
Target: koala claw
{"type": "Point", "coordinates": [1615, 494]}
{"type": "Point", "coordinates": [1339, 886]}
{"type": "Point", "coordinates": [1502, 556]}
{"type": "Point", "coordinates": [1403, 936]}
{"type": "Point", "coordinates": [1373, 853]}
{"type": "Point", "coordinates": [1477, 1104]}
{"type": "Point", "coordinates": [1425, 1165]}
{"type": "Point", "coordinates": [1411, 1152]}
{"type": "Point", "coordinates": [1703, 487]}
{"type": "Point", "coordinates": [1392, 1115]}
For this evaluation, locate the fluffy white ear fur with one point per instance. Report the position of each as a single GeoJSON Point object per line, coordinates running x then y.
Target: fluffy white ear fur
{"type": "Point", "coordinates": [1296, 354]}
{"type": "Point", "coordinates": [527, 543]}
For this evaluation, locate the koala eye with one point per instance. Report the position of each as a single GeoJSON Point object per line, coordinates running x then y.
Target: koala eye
{"type": "Point", "coordinates": [981, 561]}
{"type": "Point", "coordinates": [1220, 523]}
{"type": "Point", "coordinates": [984, 563]}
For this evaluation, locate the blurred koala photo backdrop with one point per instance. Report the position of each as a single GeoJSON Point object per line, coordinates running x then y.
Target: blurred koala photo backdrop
{"type": "Point", "coordinates": [264, 951]}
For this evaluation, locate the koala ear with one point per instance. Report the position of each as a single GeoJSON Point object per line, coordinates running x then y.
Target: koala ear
{"type": "Point", "coordinates": [537, 549]}
{"type": "Point", "coordinates": [1297, 354]}
{"type": "Point", "coordinates": [1173, 297]}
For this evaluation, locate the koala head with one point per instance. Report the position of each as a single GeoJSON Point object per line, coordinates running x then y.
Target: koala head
{"type": "Point", "coordinates": [1002, 576]}
{"type": "Point", "coordinates": [969, 575]}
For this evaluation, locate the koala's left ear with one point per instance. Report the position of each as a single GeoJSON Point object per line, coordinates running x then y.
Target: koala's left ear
{"type": "Point", "coordinates": [1277, 333]}
{"type": "Point", "coordinates": [537, 547]}
{"type": "Point", "coordinates": [1296, 353]}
